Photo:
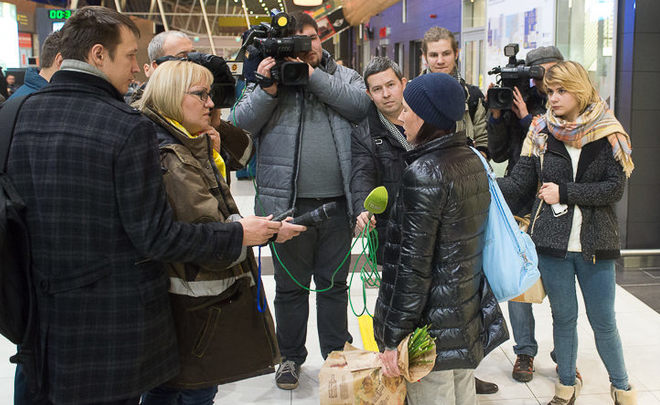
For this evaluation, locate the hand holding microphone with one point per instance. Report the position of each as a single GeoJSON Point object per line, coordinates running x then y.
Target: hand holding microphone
{"type": "Point", "coordinates": [375, 203]}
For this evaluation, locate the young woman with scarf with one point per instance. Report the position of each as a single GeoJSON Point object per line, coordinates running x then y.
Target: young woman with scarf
{"type": "Point", "coordinates": [575, 161]}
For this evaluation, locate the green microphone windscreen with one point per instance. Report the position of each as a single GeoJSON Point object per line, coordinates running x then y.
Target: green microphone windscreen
{"type": "Point", "coordinates": [376, 201]}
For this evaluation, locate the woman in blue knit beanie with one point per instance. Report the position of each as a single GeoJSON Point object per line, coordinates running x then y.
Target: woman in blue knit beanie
{"type": "Point", "coordinates": [432, 272]}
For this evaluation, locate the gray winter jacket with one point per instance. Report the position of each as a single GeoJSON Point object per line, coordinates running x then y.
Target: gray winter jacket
{"type": "Point", "coordinates": [275, 124]}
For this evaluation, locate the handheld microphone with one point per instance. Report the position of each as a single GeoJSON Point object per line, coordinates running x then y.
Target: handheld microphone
{"type": "Point", "coordinates": [376, 201]}
{"type": "Point", "coordinates": [316, 216]}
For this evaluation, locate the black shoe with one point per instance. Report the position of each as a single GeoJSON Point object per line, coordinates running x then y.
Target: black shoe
{"type": "Point", "coordinates": [484, 387]}
{"type": "Point", "coordinates": [523, 370]}
{"type": "Point", "coordinates": [287, 375]}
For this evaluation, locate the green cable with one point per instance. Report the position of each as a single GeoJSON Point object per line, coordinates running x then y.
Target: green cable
{"type": "Point", "coordinates": [368, 243]}
{"type": "Point", "coordinates": [369, 270]}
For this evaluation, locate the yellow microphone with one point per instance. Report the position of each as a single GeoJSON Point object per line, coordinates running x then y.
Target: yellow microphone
{"type": "Point", "coordinates": [376, 201]}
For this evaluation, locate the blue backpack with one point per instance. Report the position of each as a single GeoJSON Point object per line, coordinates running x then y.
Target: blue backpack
{"type": "Point", "coordinates": [509, 255]}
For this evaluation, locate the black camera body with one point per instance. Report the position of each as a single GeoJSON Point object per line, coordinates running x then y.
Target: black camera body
{"type": "Point", "coordinates": [223, 89]}
{"type": "Point", "coordinates": [277, 40]}
{"type": "Point", "coordinates": [514, 74]}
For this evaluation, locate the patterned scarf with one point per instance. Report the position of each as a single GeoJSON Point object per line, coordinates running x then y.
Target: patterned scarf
{"type": "Point", "coordinates": [596, 122]}
{"type": "Point", "coordinates": [394, 131]}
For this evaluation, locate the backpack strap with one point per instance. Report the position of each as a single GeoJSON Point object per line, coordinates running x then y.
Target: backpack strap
{"type": "Point", "coordinates": [8, 115]}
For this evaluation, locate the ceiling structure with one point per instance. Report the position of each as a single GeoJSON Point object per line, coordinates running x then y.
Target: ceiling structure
{"type": "Point", "coordinates": [217, 25]}
{"type": "Point", "coordinates": [225, 17]}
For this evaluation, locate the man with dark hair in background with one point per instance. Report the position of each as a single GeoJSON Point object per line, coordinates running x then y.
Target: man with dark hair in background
{"type": "Point", "coordinates": [378, 144]}
{"type": "Point", "coordinates": [11, 84]}
{"type": "Point", "coordinates": [87, 167]}
{"type": "Point", "coordinates": [506, 132]}
{"type": "Point", "coordinates": [303, 137]}
{"type": "Point", "coordinates": [50, 60]}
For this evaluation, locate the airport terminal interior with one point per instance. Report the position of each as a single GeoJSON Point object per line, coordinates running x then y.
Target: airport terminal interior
{"type": "Point", "coordinates": [617, 42]}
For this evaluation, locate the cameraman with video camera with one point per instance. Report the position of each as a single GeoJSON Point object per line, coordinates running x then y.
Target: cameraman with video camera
{"type": "Point", "coordinates": [303, 139]}
{"type": "Point", "coordinates": [507, 130]}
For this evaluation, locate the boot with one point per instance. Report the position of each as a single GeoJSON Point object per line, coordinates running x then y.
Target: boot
{"type": "Point", "coordinates": [485, 387]}
{"type": "Point", "coordinates": [566, 394]}
{"type": "Point", "coordinates": [622, 397]}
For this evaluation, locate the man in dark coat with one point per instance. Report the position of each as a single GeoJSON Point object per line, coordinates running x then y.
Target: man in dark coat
{"type": "Point", "coordinates": [378, 144]}
{"type": "Point", "coordinates": [50, 61]}
{"type": "Point", "coordinates": [87, 167]}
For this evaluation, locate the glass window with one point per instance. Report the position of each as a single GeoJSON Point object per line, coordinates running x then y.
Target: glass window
{"type": "Point", "coordinates": [585, 33]}
{"type": "Point", "coordinates": [473, 53]}
{"type": "Point", "coordinates": [474, 13]}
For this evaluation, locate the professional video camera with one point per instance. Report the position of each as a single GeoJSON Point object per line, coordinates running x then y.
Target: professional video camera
{"type": "Point", "coordinates": [514, 74]}
{"type": "Point", "coordinates": [276, 39]}
{"type": "Point", "coordinates": [223, 89]}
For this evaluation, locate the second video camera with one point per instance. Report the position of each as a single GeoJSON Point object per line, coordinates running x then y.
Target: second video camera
{"type": "Point", "coordinates": [514, 74]}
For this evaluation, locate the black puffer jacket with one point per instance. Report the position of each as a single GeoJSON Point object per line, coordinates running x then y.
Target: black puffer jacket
{"type": "Point", "coordinates": [377, 159]}
{"type": "Point", "coordinates": [598, 185]}
{"type": "Point", "coordinates": [433, 257]}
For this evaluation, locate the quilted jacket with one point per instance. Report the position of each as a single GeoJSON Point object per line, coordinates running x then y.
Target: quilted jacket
{"type": "Point", "coordinates": [433, 257]}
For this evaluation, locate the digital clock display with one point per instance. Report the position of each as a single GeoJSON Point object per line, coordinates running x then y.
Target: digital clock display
{"type": "Point", "coordinates": [59, 14]}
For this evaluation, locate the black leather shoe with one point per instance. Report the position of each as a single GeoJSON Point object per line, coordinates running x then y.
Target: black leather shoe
{"type": "Point", "coordinates": [484, 387]}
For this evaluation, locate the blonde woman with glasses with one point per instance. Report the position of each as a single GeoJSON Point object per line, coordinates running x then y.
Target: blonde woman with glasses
{"type": "Point", "coordinates": [224, 334]}
{"type": "Point", "coordinates": [581, 156]}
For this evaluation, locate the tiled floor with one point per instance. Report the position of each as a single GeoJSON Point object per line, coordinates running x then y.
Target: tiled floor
{"type": "Point", "coordinates": [639, 326]}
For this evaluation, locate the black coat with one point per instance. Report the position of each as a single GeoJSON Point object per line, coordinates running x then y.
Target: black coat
{"type": "Point", "coordinates": [433, 257]}
{"type": "Point", "coordinates": [87, 166]}
{"type": "Point", "coordinates": [506, 134]}
{"type": "Point", "coordinates": [377, 159]}
{"type": "Point", "coordinates": [597, 187]}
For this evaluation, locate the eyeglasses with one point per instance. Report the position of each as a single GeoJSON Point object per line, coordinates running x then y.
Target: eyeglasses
{"type": "Point", "coordinates": [202, 94]}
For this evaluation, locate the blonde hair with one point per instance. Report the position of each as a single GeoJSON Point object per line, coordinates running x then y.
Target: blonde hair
{"type": "Point", "coordinates": [572, 77]}
{"type": "Point", "coordinates": [168, 85]}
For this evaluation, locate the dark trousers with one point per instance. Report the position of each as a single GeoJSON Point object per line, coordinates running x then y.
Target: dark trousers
{"type": "Point", "coordinates": [316, 252]}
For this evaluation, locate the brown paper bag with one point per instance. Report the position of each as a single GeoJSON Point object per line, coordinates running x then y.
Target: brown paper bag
{"type": "Point", "coordinates": [534, 295]}
{"type": "Point", "coordinates": [354, 376]}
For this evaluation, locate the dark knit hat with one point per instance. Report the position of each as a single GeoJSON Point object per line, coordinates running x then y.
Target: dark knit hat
{"type": "Point", "coordinates": [543, 54]}
{"type": "Point", "coordinates": [437, 98]}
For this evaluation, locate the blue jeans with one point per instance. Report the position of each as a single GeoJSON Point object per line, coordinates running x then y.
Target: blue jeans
{"type": "Point", "coordinates": [597, 282]}
{"type": "Point", "coordinates": [522, 323]}
{"type": "Point", "coordinates": [172, 396]}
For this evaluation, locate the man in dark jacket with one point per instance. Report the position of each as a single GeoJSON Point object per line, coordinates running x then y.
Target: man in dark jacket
{"type": "Point", "coordinates": [50, 60]}
{"type": "Point", "coordinates": [378, 144]}
{"type": "Point", "coordinates": [378, 148]}
{"type": "Point", "coordinates": [303, 138]}
{"type": "Point", "coordinates": [506, 133]}
{"type": "Point", "coordinates": [87, 166]}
